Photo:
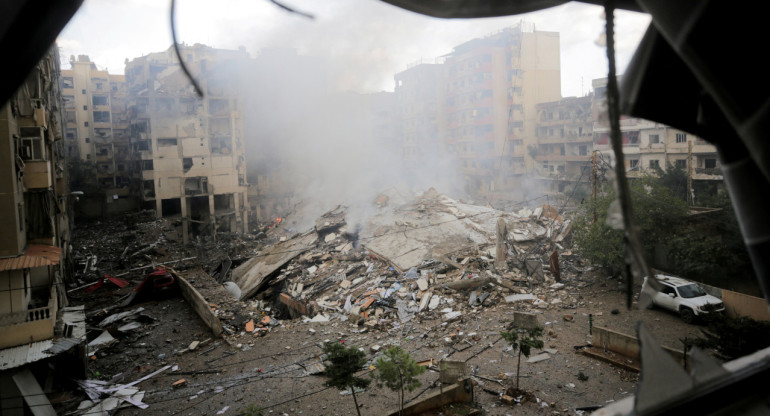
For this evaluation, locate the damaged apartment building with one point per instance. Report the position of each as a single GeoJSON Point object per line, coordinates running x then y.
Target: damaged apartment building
{"type": "Point", "coordinates": [35, 224]}
{"type": "Point", "coordinates": [96, 138]}
{"type": "Point", "coordinates": [188, 152]}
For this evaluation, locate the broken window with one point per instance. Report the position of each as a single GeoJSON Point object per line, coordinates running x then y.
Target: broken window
{"type": "Point", "coordinates": [710, 163]}
{"type": "Point", "coordinates": [99, 100]}
{"type": "Point", "coordinates": [172, 206]}
{"type": "Point", "coordinates": [147, 165]}
{"type": "Point", "coordinates": [221, 145]}
{"type": "Point", "coordinates": [32, 146]}
{"type": "Point", "coordinates": [67, 82]}
{"type": "Point", "coordinates": [101, 116]}
{"type": "Point", "coordinates": [148, 188]}
{"type": "Point", "coordinates": [196, 185]}
{"type": "Point", "coordinates": [633, 163]}
{"type": "Point", "coordinates": [187, 164]}
{"type": "Point", "coordinates": [143, 145]}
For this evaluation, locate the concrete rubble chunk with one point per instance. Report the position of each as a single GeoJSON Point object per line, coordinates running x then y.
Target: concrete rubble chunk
{"type": "Point", "coordinates": [452, 316]}
{"type": "Point", "coordinates": [330, 237]}
{"type": "Point", "coordinates": [434, 302]}
{"type": "Point", "coordinates": [540, 357]}
{"type": "Point", "coordinates": [345, 284]}
{"type": "Point", "coordinates": [422, 284]}
{"type": "Point", "coordinates": [519, 298]}
{"type": "Point", "coordinates": [557, 286]}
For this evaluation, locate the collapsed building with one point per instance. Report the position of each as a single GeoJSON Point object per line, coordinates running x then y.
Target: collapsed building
{"type": "Point", "coordinates": [189, 160]}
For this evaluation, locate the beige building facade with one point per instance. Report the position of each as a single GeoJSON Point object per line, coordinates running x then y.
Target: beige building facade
{"type": "Point", "coordinates": [493, 87]}
{"type": "Point", "coordinates": [96, 135]}
{"type": "Point", "coordinates": [33, 208]}
{"type": "Point", "coordinates": [188, 152]}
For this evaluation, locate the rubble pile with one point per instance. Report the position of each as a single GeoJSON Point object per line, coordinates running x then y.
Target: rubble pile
{"type": "Point", "coordinates": [429, 260]}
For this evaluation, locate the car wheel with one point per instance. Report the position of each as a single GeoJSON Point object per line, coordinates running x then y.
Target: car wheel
{"type": "Point", "coordinates": [687, 315]}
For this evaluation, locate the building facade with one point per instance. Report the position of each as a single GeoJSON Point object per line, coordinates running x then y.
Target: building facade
{"type": "Point", "coordinates": [564, 135]}
{"type": "Point", "coordinates": [649, 146]}
{"type": "Point", "coordinates": [96, 135]}
{"type": "Point", "coordinates": [33, 208]}
{"type": "Point", "coordinates": [493, 87]}
{"type": "Point", "coordinates": [188, 152]}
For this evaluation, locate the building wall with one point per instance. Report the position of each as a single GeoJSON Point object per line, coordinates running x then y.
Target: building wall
{"type": "Point", "coordinates": [188, 152]}
{"type": "Point", "coordinates": [34, 201]}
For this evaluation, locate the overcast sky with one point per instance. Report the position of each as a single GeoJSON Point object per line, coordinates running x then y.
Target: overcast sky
{"type": "Point", "coordinates": [364, 42]}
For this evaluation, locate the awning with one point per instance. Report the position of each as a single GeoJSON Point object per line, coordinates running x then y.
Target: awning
{"type": "Point", "coordinates": [37, 255]}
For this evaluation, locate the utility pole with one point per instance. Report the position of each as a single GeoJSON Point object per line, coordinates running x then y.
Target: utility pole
{"type": "Point", "coordinates": [593, 182]}
{"type": "Point", "coordinates": [689, 174]}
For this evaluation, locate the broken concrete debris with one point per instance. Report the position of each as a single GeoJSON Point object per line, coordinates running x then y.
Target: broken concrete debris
{"type": "Point", "coordinates": [432, 259]}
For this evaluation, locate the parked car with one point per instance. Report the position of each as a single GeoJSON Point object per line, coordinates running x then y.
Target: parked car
{"type": "Point", "coordinates": [684, 297]}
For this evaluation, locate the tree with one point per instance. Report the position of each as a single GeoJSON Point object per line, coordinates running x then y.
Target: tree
{"type": "Point", "coordinates": [656, 212]}
{"type": "Point", "coordinates": [397, 371]}
{"type": "Point", "coordinates": [342, 363]}
{"type": "Point", "coordinates": [524, 340]}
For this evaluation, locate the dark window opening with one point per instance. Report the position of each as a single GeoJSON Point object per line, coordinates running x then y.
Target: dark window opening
{"type": "Point", "coordinates": [171, 207]}
{"type": "Point", "coordinates": [167, 142]}
{"type": "Point", "coordinates": [187, 164]}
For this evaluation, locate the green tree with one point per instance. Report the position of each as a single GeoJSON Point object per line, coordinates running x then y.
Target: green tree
{"type": "Point", "coordinates": [656, 213]}
{"type": "Point", "coordinates": [524, 340]}
{"type": "Point", "coordinates": [397, 371]}
{"type": "Point", "coordinates": [342, 364]}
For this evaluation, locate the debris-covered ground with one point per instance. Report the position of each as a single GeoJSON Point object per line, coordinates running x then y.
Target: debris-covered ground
{"type": "Point", "coordinates": [435, 276]}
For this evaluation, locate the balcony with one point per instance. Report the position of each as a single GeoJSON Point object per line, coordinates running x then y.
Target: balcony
{"type": "Point", "coordinates": [708, 174]}
{"type": "Point", "coordinates": [31, 325]}
{"type": "Point", "coordinates": [37, 174]}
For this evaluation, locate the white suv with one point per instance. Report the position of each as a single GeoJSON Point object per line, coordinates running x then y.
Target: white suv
{"type": "Point", "coordinates": [684, 297]}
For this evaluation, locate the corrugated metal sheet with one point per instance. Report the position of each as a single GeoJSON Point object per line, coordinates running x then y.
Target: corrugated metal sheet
{"type": "Point", "coordinates": [29, 353]}
{"type": "Point", "coordinates": [37, 255]}
{"type": "Point", "coordinates": [24, 354]}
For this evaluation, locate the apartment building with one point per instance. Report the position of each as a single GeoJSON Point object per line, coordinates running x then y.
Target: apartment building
{"type": "Point", "coordinates": [96, 134]}
{"type": "Point", "coordinates": [564, 134]}
{"type": "Point", "coordinates": [493, 86]}
{"type": "Point", "coordinates": [188, 152]}
{"type": "Point", "coordinates": [35, 224]}
{"type": "Point", "coordinates": [420, 91]}
{"type": "Point", "coordinates": [648, 145]}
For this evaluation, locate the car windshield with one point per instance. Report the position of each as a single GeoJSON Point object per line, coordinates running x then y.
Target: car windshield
{"type": "Point", "coordinates": [691, 291]}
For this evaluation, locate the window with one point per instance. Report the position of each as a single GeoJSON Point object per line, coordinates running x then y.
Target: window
{"type": "Point", "coordinates": [85, 107]}
{"type": "Point", "coordinates": [654, 164]}
{"type": "Point", "coordinates": [167, 142]}
{"type": "Point", "coordinates": [85, 124]}
{"type": "Point", "coordinates": [83, 92]}
{"type": "Point", "coordinates": [32, 147]}
{"type": "Point", "coordinates": [101, 116]}
{"type": "Point", "coordinates": [88, 140]}
{"type": "Point", "coordinates": [583, 150]}
{"type": "Point", "coordinates": [654, 139]}
{"type": "Point", "coordinates": [681, 163]}
{"type": "Point", "coordinates": [668, 290]}
{"type": "Point", "coordinates": [633, 163]}
{"type": "Point", "coordinates": [681, 137]}
{"type": "Point", "coordinates": [99, 100]}
{"type": "Point", "coordinates": [710, 163]}
{"type": "Point", "coordinates": [67, 82]}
